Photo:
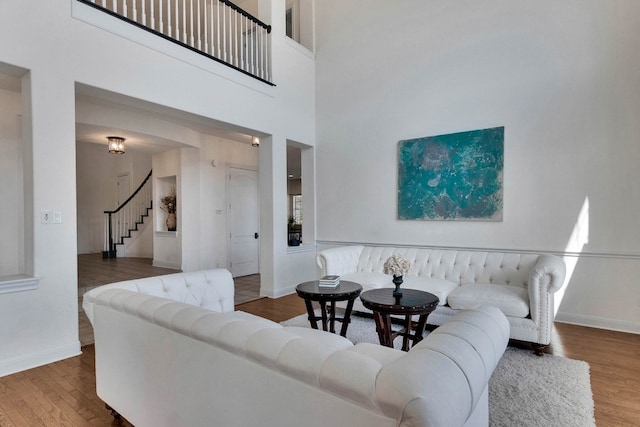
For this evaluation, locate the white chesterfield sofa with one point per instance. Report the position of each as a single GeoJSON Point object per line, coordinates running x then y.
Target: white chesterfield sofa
{"type": "Point", "coordinates": [520, 285]}
{"type": "Point", "coordinates": [161, 362]}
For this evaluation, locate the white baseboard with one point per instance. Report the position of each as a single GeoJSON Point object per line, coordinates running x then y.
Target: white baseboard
{"type": "Point", "coordinates": [598, 322]}
{"type": "Point", "coordinates": [165, 265]}
{"type": "Point", "coordinates": [34, 360]}
{"type": "Point", "coordinates": [278, 292]}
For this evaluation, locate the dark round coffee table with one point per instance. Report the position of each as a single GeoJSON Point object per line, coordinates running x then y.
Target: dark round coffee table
{"type": "Point", "coordinates": [412, 302]}
{"type": "Point", "coordinates": [345, 291]}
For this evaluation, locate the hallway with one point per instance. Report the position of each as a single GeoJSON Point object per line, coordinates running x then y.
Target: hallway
{"type": "Point", "coordinates": [94, 271]}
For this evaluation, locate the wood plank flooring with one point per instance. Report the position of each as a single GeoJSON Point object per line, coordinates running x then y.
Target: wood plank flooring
{"type": "Point", "coordinates": [63, 393]}
{"type": "Point", "coordinates": [614, 361]}
{"type": "Point", "coordinates": [93, 271]}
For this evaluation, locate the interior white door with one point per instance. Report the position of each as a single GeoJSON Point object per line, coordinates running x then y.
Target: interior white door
{"type": "Point", "coordinates": [124, 188]}
{"type": "Point", "coordinates": [122, 194]}
{"type": "Point", "coordinates": [243, 221]}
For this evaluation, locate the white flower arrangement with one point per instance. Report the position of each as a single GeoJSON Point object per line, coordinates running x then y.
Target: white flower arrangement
{"type": "Point", "coordinates": [397, 265]}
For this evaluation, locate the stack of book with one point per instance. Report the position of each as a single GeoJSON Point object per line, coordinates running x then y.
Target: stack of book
{"type": "Point", "coordinates": [329, 281]}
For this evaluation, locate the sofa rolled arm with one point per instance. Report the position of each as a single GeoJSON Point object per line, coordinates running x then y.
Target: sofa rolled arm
{"type": "Point", "coordinates": [339, 261]}
{"type": "Point", "coordinates": [548, 272]}
{"type": "Point", "coordinates": [545, 278]}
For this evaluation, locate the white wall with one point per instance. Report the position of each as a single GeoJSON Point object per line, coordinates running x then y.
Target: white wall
{"type": "Point", "coordinates": [61, 52]}
{"type": "Point", "coordinates": [561, 77]}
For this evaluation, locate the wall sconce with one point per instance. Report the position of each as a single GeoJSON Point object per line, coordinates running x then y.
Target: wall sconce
{"type": "Point", "coordinates": [255, 141]}
{"type": "Point", "coordinates": [116, 144]}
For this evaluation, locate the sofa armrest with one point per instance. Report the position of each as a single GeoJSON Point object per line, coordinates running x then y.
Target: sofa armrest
{"type": "Point", "coordinates": [548, 272]}
{"type": "Point", "coordinates": [444, 377]}
{"type": "Point", "coordinates": [547, 275]}
{"type": "Point", "coordinates": [339, 261]}
{"type": "Point", "coordinates": [545, 278]}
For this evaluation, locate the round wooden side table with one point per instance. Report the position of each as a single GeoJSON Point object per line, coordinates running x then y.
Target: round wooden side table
{"type": "Point", "coordinates": [345, 291]}
{"type": "Point", "coordinates": [412, 302]}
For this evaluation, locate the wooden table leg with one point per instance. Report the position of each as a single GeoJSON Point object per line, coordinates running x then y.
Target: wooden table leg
{"type": "Point", "coordinates": [323, 312]}
{"type": "Point", "coordinates": [346, 319]}
{"type": "Point", "coordinates": [422, 323]}
{"type": "Point", "coordinates": [406, 333]}
{"type": "Point", "coordinates": [383, 326]}
{"type": "Point", "coordinates": [311, 313]}
{"type": "Point", "coordinates": [332, 317]}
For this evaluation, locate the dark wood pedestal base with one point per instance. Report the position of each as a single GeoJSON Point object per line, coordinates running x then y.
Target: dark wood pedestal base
{"type": "Point", "coordinates": [345, 291]}
{"type": "Point", "coordinates": [411, 303]}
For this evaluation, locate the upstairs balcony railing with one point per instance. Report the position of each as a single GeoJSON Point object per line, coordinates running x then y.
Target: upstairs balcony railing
{"type": "Point", "coordinates": [217, 29]}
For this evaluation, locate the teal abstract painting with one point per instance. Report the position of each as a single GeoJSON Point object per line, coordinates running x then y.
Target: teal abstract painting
{"type": "Point", "coordinates": [457, 176]}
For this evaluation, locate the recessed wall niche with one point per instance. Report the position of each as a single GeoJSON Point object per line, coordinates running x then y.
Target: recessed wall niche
{"type": "Point", "coordinates": [16, 175]}
{"type": "Point", "coordinates": [167, 204]}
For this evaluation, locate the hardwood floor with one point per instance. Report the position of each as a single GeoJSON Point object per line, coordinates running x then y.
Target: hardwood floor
{"type": "Point", "coordinates": [93, 271]}
{"type": "Point", "coordinates": [63, 393]}
{"type": "Point", "coordinates": [614, 361]}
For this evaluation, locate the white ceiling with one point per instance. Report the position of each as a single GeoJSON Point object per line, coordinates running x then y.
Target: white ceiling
{"type": "Point", "coordinates": [144, 142]}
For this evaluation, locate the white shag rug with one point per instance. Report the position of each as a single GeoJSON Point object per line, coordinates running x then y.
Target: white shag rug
{"type": "Point", "coordinates": [525, 390]}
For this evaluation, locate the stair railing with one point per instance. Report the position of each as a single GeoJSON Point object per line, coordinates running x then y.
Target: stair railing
{"type": "Point", "coordinates": [119, 223]}
{"type": "Point", "coordinates": [217, 29]}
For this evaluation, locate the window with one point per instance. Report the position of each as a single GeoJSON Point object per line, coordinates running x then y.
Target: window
{"type": "Point", "coordinates": [296, 203]}
{"type": "Point", "coordinates": [300, 199]}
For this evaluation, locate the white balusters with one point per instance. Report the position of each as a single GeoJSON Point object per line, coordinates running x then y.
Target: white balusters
{"type": "Point", "coordinates": [206, 27]}
{"type": "Point", "coordinates": [243, 21]}
{"type": "Point", "coordinates": [184, 22]}
{"type": "Point", "coordinates": [199, 38]}
{"type": "Point", "coordinates": [191, 27]}
{"type": "Point", "coordinates": [169, 26]}
{"type": "Point", "coordinates": [213, 27]}
{"type": "Point", "coordinates": [218, 28]}
{"type": "Point", "coordinates": [224, 34]}
{"type": "Point", "coordinates": [160, 17]}
{"type": "Point", "coordinates": [176, 31]}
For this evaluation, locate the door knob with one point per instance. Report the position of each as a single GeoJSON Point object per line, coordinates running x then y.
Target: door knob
{"type": "Point", "coordinates": [255, 235]}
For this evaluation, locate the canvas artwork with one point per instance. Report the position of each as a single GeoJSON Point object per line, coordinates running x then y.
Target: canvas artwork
{"type": "Point", "coordinates": [455, 176]}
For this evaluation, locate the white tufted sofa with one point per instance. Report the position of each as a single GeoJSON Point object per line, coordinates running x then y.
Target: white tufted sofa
{"type": "Point", "coordinates": [166, 363]}
{"type": "Point", "coordinates": [210, 289]}
{"type": "Point", "coordinates": [521, 285]}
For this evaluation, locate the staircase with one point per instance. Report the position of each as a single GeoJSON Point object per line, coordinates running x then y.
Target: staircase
{"type": "Point", "coordinates": [127, 247]}
{"type": "Point", "coordinates": [128, 219]}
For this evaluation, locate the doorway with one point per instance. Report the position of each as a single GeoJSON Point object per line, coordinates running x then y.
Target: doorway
{"type": "Point", "coordinates": [243, 222]}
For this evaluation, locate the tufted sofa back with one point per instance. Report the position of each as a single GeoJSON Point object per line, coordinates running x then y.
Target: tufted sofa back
{"type": "Point", "coordinates": [209, 289]}
{"type": "Point", "coordinates": [464, 267]}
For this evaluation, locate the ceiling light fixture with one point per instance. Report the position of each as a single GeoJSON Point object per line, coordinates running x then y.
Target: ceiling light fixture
{"type": "Point", "coordinates": [116, 144]}
{"type": "Point", "coordinates": [255, 141]}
